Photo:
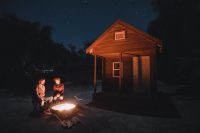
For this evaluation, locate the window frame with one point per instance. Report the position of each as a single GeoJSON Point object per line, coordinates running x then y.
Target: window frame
{"type": "Point", "coordinates": [120, 32]}
{"type": "Point", "coordinates": [115, 69]}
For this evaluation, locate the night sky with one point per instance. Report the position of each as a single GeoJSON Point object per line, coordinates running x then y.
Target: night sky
{"type": "Point", "coordinates": [75, 21]}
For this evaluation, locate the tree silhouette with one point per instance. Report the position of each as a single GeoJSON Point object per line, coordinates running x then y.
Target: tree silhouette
{"type": "Point", "coordinates": [27, 48]}
{"type": "Point", "coordinates": [178, 25]}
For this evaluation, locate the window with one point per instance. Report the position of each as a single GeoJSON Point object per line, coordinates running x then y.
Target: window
{"type": "Point", "coordinates": [120, 35]}
{"type": "Point", "coordinates": [116, 69]}
{"type": "Point", "coordinates": [91, 51]}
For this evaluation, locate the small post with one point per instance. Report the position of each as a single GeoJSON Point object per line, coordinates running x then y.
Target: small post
{"type": "Point", "coordinates": [102, 69]}
{"type": "Point", "coordinates": [102, 73]}
{"type": "Point", "coordinates": [95, 73]}
{"type": "Point", "coordinates": [120, 73]}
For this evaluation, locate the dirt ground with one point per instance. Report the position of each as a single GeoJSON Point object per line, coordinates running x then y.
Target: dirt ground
{"type": "Point", "coordinates": [15, 110]}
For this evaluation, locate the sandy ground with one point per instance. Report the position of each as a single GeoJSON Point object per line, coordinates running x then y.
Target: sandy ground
{"type": "Point", "coordinates": [14, 117]}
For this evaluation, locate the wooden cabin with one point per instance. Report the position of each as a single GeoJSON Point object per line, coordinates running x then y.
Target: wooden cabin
{"type": "Point", "coordinates": [129, 58]}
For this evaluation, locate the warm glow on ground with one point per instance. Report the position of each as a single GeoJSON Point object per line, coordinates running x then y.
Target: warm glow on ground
{"type": "Point", "coordinates": [65, 106]}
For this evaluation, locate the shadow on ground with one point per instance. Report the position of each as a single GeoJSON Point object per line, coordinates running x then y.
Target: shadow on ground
{"type": "Point", "coordinates": [159, 106]}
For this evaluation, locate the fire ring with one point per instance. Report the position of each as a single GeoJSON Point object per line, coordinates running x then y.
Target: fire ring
{"type": "Point", "coordinates": [63, 107]}
{"type": "Point", "coordinates": [64, 110]}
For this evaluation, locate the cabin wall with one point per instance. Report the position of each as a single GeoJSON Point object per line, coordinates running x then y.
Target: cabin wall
{"type": "Point", "coordinates": [135, 44]}
{"type": "Point", "coordinates": [127, 73]}
{"type": "Point", "coordinates": [109, 82]}
{"type": "Point", "coordinates": [112, 83]}
{"type": "Point", "coordinates": [109, 45]}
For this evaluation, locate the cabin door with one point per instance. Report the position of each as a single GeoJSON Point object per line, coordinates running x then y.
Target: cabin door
{"type": "Point", "coordinates": [141, 73]}
{"type": "Point", "coordinates": [135, 73]}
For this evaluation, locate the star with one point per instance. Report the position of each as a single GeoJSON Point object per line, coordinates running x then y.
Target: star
{"type": "Point", "coordinates": [137, 12]}
{"type": "Point", "coordinates": [85, 1]}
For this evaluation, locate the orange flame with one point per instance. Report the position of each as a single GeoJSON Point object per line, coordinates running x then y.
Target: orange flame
{"type": "Point", "coordinates": [65, 106]}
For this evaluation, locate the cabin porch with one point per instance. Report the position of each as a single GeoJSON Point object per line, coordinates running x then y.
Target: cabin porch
{"type": "Point", "coordinates": [125, 72]}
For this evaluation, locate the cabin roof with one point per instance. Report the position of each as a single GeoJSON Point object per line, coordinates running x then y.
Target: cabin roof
{"type": "Point", "coordinates": [146, 36]}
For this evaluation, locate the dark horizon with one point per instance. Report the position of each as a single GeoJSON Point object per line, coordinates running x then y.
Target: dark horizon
{"type": "Point", "coordinates": [78, 21]}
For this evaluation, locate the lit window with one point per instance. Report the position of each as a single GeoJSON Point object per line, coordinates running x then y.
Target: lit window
{"type": "Point", "coordinates": [120, 35]}
{"type": "Point", "coordinates": [91, 51]}
{"type": "Point", "coordinates": [116, 69]}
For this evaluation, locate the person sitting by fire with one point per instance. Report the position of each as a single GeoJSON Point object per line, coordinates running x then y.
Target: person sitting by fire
{"type": "Point", "coordinates": [58, 89]}
{"type": "Point", "coordinates": [40, 91]}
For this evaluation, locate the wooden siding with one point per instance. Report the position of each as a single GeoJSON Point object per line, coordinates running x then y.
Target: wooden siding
{"type": "Point", "coordinates": [132, 42]}
{"type": "Point", "coordinates": [110, 82]}
{"type": "Point", "coordinates": [127, 73]}
{"type": "Point", "coordinates": [138, 50]}
{"type": "Point", "coordinates": [145, 68]}
{"type": "Point", "coordinates": [135, 64]}
{"type": "Point", "coordinates": [134, 38]}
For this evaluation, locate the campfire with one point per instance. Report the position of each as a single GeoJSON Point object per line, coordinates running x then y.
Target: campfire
{"type": "Point", "coordinates": [64, 106]}
{"type": "Point", "coordinates": [66, 113]}
{"type": "Point", "coordinates": [64, 110]}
